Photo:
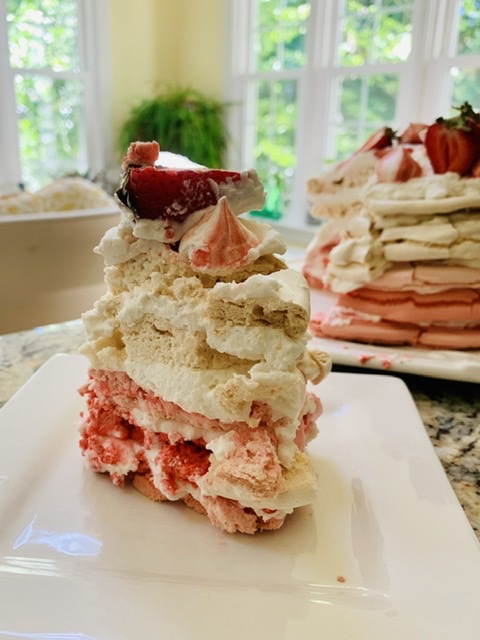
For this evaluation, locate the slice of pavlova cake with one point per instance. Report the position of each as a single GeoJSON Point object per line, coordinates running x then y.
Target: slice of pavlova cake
{"type": "Point", "coordinates": [197, 386]}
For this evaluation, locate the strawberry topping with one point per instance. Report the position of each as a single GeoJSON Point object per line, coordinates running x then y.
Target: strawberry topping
{"type": "Point", "coordinates": [453, 144]}
{"type": "Point", "coordinates": [160, 193]}
{"type": "Point", "coordinates": [398, 166]}
{"type": "Point", "coordinates": [379, 140]}
{"type": "Point", "coordinates": [413, 134]}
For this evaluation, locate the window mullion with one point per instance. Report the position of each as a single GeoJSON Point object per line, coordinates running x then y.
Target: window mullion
{"type": "Point", "coordinates": [48, 73]}
{"type": "Point", "coordinates": [435, 88]}
{"type": "Point", "coordinates": [323, 81]}
{"type": "Point", "coordinates": [10, 172]}
{"type": "Point", "coordinates": [94, 54]}
{"type": "Point", "coordinates": [409, 100]}
{"type": "Point", "coordinates": [237, 86]}
{"type": "Point", "coordinates": [312, 109]}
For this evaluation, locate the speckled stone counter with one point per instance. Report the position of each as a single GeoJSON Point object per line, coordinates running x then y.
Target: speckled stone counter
{"type": "Point", "coordinates": [450, 410]}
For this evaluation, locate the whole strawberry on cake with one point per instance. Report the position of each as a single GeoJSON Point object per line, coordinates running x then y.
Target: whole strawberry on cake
{"type": "Point", "coordinates": [197, 389]}
{"type": "Point", "coordinates": [407, 268]}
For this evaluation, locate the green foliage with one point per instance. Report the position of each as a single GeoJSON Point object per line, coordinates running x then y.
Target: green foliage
{"type": "Point", "coordinates": [469, 33]}
{"type": "Point", "coordinates": [183, 121]}
{"type": "Point", "coordinates": [49, 107]}
{"type": "Point", "coordinates": [43, 34]}
{"type": "Point", "coordinates": [466, 88]}
{"type": "Point", "coordinates": [371, 36]}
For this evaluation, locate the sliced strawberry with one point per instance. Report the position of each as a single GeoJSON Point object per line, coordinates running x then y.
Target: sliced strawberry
{"type": "Point", "coordinates": [378, 140]}
{"type": "Point", "coordinates": [155, 193]}
{"type": "Point", "coordinates": [413, 133]}
{"type": "Point", "coordinates": [476, 169]}
{"type": "Point", "coordinates": [450, 149]}
{"type": "Point", "coordinates": [453, 144]}
{"type": "Point", "coordinates": [473, 121]}
{"type": "Point", "coordinates": [398, 166]}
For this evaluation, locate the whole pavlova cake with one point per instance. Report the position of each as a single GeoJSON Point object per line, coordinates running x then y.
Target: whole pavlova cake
{"type": "Point", "coordinates": [407, 267]}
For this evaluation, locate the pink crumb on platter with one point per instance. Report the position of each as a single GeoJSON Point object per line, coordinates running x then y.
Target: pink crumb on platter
{"type": "Point", "coordinates": [364, 358]}
{"type": "Point", "coordinates": [386, 362]}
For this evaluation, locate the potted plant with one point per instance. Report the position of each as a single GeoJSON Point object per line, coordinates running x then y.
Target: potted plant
{"type": "Point", "coordinates": [183, 121]}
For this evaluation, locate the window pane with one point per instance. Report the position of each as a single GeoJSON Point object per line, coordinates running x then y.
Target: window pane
{"type": "Point", "coordinates": [280, 41]}
{"type": "Point", "coordinates": [43, 34]}
{"type": "Point", "coordinates": [372, 34]}
{"type": "Point", "coordinates": [465, 87]}
{"type": "Point", "coordinates": [351, 88]}
{"type": "Point", "coordinates": [346, 140]}
{"type": "Point", "coordinates": [371, 97]}
{"type": "Point", "coordinates": [275, 141]}
{"type": "Point", "coordinates": [382, 91]}
{"type": "Point", "coordinates": [469, 27]}
{"type": "Point", "coordinates": [50, 117]}
{"type": "Point", "coordinates": [365, 103]}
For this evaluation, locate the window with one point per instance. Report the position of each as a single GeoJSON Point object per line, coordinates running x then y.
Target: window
{"type": "Point", "coordinates": [53, 90]}
{"type": "Point", "coordinates": [314, 79]}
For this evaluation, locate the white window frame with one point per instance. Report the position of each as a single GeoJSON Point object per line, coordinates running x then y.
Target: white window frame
{"type": "Point", "coordinates": [95, 63]}
{"type": "Point", "coordinates": [425, 83]}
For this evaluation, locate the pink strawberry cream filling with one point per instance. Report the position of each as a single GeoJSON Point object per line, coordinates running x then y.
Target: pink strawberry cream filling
{"type": "Point", "coordinates": [121, 434]}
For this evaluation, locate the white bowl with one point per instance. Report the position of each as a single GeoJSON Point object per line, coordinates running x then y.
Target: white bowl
{"type": "Point", "coordinates": [48, 271]}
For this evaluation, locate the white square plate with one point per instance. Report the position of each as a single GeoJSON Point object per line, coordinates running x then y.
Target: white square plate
{"type": "Point", "coordinates": [384, 553]}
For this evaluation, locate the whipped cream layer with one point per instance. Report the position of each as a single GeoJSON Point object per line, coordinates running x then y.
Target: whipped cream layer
{"type": "Point", "coordinates": [432, 194]}
{"type": "Point", "coordinates": [357, 259]}
{"type": "Point", "coordinates": [408, 229]}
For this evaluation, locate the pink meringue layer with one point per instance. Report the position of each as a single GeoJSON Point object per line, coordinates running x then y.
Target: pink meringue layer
{"type": "Point", "coordinates": [454, 305]}
{"type": "Point", "coordinates": [316, 262]}
{"type": "Point", "coordinates": [348, 325]}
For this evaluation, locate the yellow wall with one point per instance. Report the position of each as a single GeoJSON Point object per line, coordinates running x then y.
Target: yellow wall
{"type": "Point", "coordinates": [157, 43]}
{"type": "Point", "coordinates": [202, 53]}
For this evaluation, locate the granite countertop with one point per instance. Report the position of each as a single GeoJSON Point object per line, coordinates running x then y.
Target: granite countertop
{"type": "Point", "coordinates": [450, 410]}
